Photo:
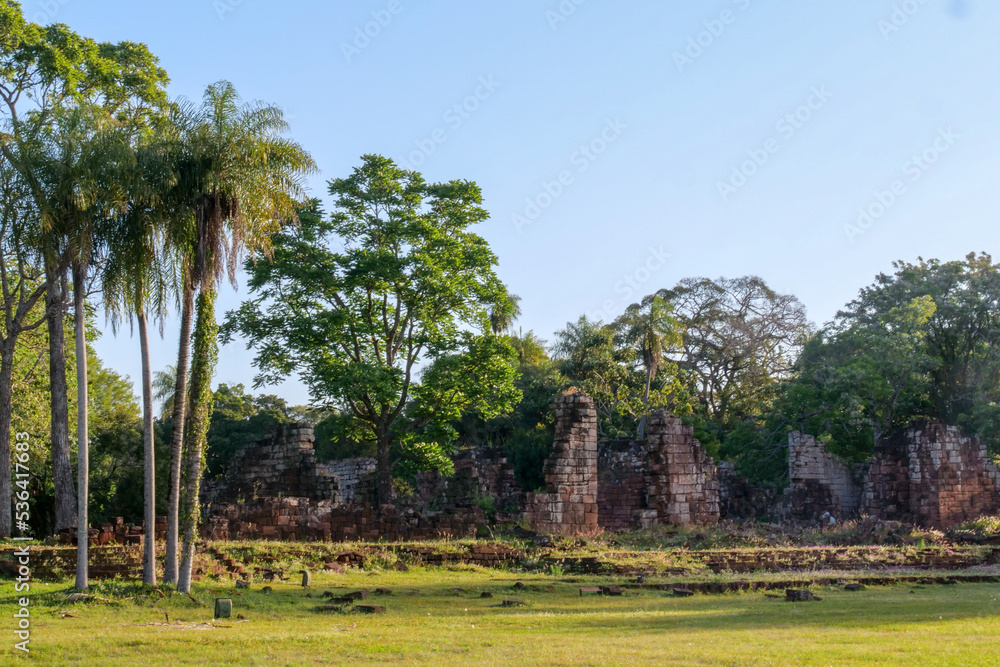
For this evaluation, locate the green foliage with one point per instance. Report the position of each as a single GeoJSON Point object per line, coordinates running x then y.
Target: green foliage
{"type": "Point", "coordinates": [353, 303]}
{"type": "Point", "coordinates": [525, 433]}
{"type": "Point", "coordinates": [204, 357]}
{"type": "Point", "coordinates": [342, 436]}
{"type": "Point", "coordinates": [919, 344]}
{"type": "Point", "coordinates": [960, 335]}
{"type": "Point", "coordinates": [650, 332]}
{"type": "Point", "coordinates": [741, 339]}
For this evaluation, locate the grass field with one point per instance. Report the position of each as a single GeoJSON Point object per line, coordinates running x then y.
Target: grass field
{"type": "Point", "coordinates": [435, 616]}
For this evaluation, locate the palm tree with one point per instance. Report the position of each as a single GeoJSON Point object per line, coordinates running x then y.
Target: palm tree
{"type": "Point", "coordinates": [240, 180]}
{"type": "Point", "coordinates": [503, 316]}
{"type": "Point", "coordinates": [137, 279]}
{"type": "Point", "coordinates": [164, 384]}
{"type": "Point", "coordinates": [76, 164]}
{"type": "Point", "coordinates": [651, 331]}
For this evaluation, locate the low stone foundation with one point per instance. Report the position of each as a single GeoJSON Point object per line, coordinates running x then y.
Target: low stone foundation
{"type": "Point", "coordinates": [290, 519]}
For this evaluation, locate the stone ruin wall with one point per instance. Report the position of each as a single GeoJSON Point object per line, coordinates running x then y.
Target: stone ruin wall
{"type": "Point", "coordinates": [739, 500]}
{"type": "Point", "coordinates": [290, 519]}
{"type": "Point", "coordinates": [283, 464]}
{"type": "Point", "coordinates": [275, 489]}
{"type": "Point", "coordinates": [482, 477]}
{"type": "Point", "coordinates": [933, 475]}
{"type": "Point", "coordinates": [568, 505]}
{"type": "Point", "coordinates": [666, 478]}
{"type": "Point", "coordinates": [683, 482]}
{"type": "Point", "coordinates": [355, 479]}
{"type": "Point", "coordinates": [622, 492]}
{"type": "Point", "coordinates": [930, 474]}
{"type": "Point", "coordinates": [819, 482]}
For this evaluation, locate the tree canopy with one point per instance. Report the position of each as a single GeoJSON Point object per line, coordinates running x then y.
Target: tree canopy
{"type": "Point", "coordinates": [356, 301]}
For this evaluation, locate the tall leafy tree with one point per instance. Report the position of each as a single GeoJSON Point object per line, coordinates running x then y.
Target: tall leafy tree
{"type": "Point", "coordinates": [525, 434]}
{"type": "Point", "coordinates": [238, 179]}
{"type": "Point", "coordinates": [22, 291]}
{"type": "Point", "coordinates": [392, 279]}
{"type": "Point", "coordinates": [741, 340]}
{"type": "Point", "coordinates": [962, 335]}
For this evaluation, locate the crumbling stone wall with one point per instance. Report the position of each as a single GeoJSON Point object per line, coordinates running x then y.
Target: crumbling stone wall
{"type": "Point", "coordinates": [933, 475]}
{"type": "Point", "coordinates": [482, 477]}
{"type": "Point", "coordinates": [281, 464]}
{"type": "Point", "coordinates": [665, 478]}
{"type": "Point", "coordinates": [739, 500]}
{"type": "Point", "coordinates": [355, 479]}
{"type": "Point", "coordinates": [682, 483]}
{"type": "Point", "coordinates": [569, 503]}
{"type": "Point", "coordinates": [819, 482]}
{"type": "Point", "coordinates": [622, 493]}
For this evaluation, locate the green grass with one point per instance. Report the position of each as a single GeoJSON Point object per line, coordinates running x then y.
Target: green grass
{"type": "Point", "coordinates": [428, 622]}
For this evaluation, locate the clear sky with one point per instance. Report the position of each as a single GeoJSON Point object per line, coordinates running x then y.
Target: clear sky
{"type": "Point", "coordinates": [623, 146]}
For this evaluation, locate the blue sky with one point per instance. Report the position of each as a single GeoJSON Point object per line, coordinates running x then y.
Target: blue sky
{"type": "Point", "coordinates": [623, 146]}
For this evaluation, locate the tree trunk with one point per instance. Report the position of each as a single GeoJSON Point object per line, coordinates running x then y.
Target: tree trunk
{"type": "Point", "coordinates": [177, 437]}
{"type": "Point", "coordinates": [383, 465]}
{"type": "Point", "coordinates": [6, 411]}
{"type": "Point", "coordinates": [149, 460]}
{"type": "Point", "coordinates": [82, 431]}
{"type": "Point", "coordinates": [206, 348]}
{"type": "Point", "coordinates": [62, 470]}
{"type": "Point", "coordinates": [645, 405]}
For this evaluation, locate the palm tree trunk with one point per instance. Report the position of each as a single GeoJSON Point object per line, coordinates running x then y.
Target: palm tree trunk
{"type": "Point", "coordinates": [149, 460]}
{"type": "Point", "coordinates": [62, 469]}
{"type": "Point", "coordinates": [82, 431]}
{"type": "Point", "coordinates": [177, 437]}
{"type": "Point", "coordinates": [6, 410]}
{"type": "Point", "coordinates": [206, 348]}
